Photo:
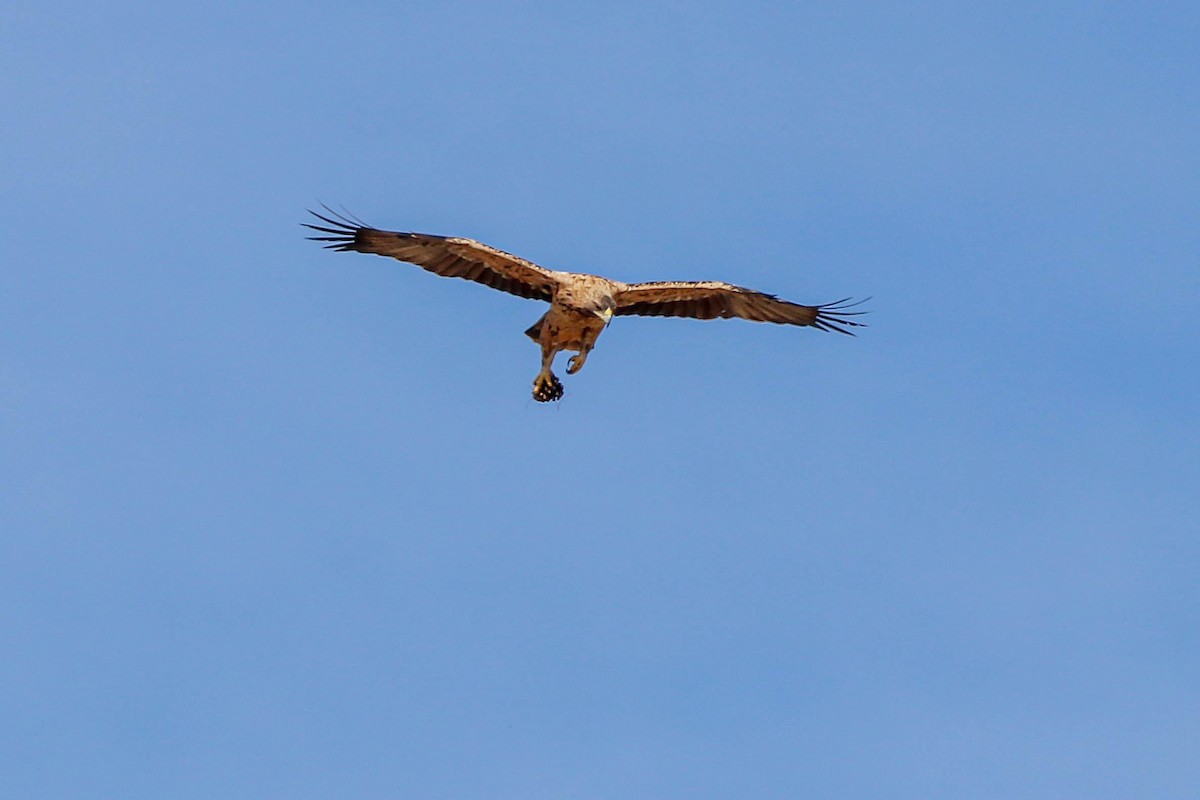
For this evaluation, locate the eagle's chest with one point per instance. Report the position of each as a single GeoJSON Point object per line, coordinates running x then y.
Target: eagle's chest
{"type": "Point", "coordinates": [570, 329]}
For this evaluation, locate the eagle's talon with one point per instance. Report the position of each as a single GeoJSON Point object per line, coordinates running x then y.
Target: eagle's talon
{"type": "Point", "coordinates": [546, 390]}
{"type": "Point", "coordinates": [576, 362]}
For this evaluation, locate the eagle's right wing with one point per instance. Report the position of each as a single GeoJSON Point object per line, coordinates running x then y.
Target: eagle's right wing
{"type": "Point", "coordinates": [451, 257]}
{"type": "Point", "coordinates": [713, 299]}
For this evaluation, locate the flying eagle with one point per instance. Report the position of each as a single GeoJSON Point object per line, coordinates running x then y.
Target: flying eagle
{"type": "Point", "coordinates": [581, 306]}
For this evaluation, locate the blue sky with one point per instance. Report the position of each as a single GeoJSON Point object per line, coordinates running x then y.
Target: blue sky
{"type": "Point", "coordinates": [280, 522]}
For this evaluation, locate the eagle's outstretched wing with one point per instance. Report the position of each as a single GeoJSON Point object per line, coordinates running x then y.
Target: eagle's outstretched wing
{"type": "Point", "coordinates": [712, 299]}
{"type": "Point", "coordinates": [444, 255]}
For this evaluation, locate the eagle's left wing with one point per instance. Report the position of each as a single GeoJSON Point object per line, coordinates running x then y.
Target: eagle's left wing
{"type": "Point", "coordinates": [449, 256]}
{"type": "Point", "coordinates": [712, 299]}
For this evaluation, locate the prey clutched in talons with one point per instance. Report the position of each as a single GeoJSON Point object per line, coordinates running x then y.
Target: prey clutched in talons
{"type": "Point", "coordinates": [547, 388]}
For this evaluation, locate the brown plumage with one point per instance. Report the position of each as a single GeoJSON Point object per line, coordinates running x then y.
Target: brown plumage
{"type": "Point", "coordinates": [581, 305]}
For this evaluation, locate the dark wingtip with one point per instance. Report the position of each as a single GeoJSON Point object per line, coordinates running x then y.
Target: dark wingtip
{"type": "Point", "coordinates": [343, 228]}
{"type": "Point", "coordinates": [835, 316]}
{"type": "Point", "coordinates": [343, 217]}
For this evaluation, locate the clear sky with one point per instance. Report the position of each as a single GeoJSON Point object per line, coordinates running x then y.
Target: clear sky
{"type": "Point", "coordinates": [277, 522]}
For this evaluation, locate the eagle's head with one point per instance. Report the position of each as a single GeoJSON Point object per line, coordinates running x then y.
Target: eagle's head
{"type": "Point", "coordinates": [604, 309]}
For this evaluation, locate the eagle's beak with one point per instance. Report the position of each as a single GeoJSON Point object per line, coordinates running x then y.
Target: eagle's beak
{"type": "Point", "coordinates": [606, 315]}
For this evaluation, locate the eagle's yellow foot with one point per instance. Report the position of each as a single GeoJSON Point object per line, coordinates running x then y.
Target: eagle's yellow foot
{"type": "Point", "coordinates": [547, 388]}
{"type": "Point", "coordinates": [575, 363]}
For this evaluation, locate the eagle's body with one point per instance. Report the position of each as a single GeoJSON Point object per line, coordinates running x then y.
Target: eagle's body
{"type": "Point", "coordinates": [581, 305]}
{"type": "Point", "coordinates": [578, 313]}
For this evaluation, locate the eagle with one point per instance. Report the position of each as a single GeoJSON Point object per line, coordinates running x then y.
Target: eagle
{"type": "Point", "coordinates": [581, 305]}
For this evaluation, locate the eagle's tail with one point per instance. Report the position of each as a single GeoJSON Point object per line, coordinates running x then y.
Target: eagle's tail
{"type": "Point", "coordinates": [535, 330]}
